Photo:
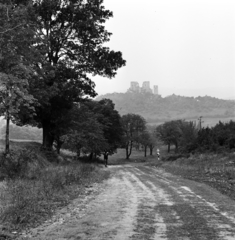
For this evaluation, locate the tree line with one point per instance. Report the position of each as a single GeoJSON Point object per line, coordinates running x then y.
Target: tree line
{"type": "Point", "coordinates": [95, 128]}
{"type": "Point", "coordinates": [186, 137]}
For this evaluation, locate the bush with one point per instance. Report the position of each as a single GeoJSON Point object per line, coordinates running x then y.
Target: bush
{"type": "Point", "coordinates": [21, 163]}
{"type": "Point", "coordinates": [175, 157]}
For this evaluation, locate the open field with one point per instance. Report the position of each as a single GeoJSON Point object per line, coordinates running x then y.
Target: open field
{"type": "Point", "coordinates": [206, 121]}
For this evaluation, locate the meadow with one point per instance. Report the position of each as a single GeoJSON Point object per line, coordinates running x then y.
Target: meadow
{"type": "Point", "coordinates": [206, 121]}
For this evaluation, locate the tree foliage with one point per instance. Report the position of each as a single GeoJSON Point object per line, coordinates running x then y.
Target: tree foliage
{"type": "Point", "coordinates": [70, 37]}
{"type": "Point", "coordinates": [188, 139]}
{"type": "Point", "coordinates": [95, 128]}
{"type": "Point", "coordinates": [180, 133]}
{"type": "Point", "coordinates": [62, 43]}
{"type": "Point", "coordinates": [15, 69]}
{"type": "Point", "coordinates": [221, 136]}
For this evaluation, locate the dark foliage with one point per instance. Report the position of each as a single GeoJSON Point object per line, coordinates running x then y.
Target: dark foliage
{"type": "Point", "coordinates": [188, 139]}
{"type": "Point", "coordinates": [220, 137]}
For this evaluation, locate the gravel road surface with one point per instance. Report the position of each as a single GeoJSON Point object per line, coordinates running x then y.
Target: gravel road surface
{"type": "Point", "coordinates": [141, 202]}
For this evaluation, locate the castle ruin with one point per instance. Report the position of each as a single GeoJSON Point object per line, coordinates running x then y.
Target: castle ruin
{"type": "Point", "coordinates": [144, 89]}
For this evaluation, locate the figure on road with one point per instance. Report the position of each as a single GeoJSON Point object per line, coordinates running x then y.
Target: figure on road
{"type": "Point", "coordinates": [158, 154]}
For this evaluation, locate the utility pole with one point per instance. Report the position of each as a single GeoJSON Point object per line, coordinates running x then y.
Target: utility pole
{"type": "Point", "coordinates": [200, 122]}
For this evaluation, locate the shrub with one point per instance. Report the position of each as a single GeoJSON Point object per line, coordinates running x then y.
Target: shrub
{"type": "Point", "coordinates": [21, 163]}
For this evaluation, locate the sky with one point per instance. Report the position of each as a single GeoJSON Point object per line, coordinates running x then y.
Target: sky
{"type": "Point", "coordinates": [186, 47]}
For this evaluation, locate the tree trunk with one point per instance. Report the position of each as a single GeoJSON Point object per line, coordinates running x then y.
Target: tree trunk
{"type": "Point", "coordinates": [169, 147]}
{"type": "Point", "coordinates": [145, 151]}
{"type": "Point", "coordinates": [151, 150]}
{"type": "Point", "coordinates": [78, 152]}
{"type": "Point", "coordinates": [129, 149]}
{"type": "Point", "coordinates": [176, 147]}
{"type": "Point", "coordinates": [48, 136]}
{"type": "Point", "coordinates": [7, 149]}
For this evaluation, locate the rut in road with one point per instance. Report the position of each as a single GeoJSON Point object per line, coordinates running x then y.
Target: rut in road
{"type": "Point", "coordinates": [146, 203]}
{"type": "Point", "coordinates": [200, 218]}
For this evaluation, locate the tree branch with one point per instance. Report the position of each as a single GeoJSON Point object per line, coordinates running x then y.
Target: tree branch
{"type": "Point", "coordinates": [10, 29]}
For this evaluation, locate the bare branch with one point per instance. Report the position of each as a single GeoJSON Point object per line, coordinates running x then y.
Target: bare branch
{"type": "Point", "coordinates": [10, 29]}
{"type": "Point", "coordinates": [8, 15]}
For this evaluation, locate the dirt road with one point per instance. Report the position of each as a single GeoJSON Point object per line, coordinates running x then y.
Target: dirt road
{"type": "Point", "coordinates": [141, 202]}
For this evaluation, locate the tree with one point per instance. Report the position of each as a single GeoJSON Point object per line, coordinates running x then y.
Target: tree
{"type": "Point", "coordinates": [145, 141]}
{"type": "Point", "coordinates": [176, 132]}
{"type": "Point", "coordinates": [110, 119]}
{"type": "Point", "coordinates": [152, 138]}
{"type": "Point", "coordinates": [133, 125]}
{"type": "Point", "coordinates": [85, 133]}
{"type": "Point", "coordinates": [70, 37]}
{"type": "Point", "coordinates": [169, 133]}
{"type": "Point", "coordinates": [95, 128]}
{"type": "Point", "coordinates": [13, 95]}
{"type": "Point", "coordinates": [15, 37]}
{"type": "Point", "coordinates": [188, 138]}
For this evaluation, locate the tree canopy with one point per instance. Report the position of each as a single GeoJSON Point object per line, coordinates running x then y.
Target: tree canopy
{"type": "Point", "coordinates": [95, 128]}
{"type": "Point", "coordinates": [62, 45]}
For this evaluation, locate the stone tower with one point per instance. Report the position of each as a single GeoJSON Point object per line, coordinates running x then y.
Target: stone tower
{"type": "Point", "coordinates": [155, 89]}
{"type": "Point", "coordinates": [146, 87]}
{"type": "Point", "coordinates": [135, 87]}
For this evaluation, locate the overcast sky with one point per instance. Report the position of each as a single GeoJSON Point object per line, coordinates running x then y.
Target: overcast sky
{"type": "Point", "coordinates": [186, 47]}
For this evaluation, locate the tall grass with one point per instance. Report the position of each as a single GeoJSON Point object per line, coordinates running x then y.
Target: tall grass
{"type": "Point", "coordinates": [220, 165]}
{"type": "Point", "coordinates": [28, 201]}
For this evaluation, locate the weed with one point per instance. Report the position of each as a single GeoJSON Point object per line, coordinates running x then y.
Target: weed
{"type": "Point", "coordinates": [29, 200]}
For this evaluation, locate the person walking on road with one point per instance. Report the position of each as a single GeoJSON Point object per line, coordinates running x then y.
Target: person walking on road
{"type": "Point", "coordinates": [158, 154]}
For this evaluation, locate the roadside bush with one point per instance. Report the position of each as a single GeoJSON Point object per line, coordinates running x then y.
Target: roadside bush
{"type": "Point", "coordinates": [175, 157]}
{"type": "Point", "coordinates": [20, 163]}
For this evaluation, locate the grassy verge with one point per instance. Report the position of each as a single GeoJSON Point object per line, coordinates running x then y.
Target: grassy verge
{"type": "Point", "coordinates": [216, 170]}
{"type": "Point", "coordinates": [33, 194]}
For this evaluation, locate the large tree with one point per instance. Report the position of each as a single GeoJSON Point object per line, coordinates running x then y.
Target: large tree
{"type": "Point", "coordinates": [70, 38]}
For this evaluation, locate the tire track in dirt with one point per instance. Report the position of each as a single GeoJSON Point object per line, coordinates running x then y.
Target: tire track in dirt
{"type": "Point", "coordinates": [201, 218]}
{"type": "Point", "coordinates": [146, 203]}
{"type": "Point", "coordinates": [145, 220]}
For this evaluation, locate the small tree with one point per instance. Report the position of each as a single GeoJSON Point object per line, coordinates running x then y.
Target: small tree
{"type": "Point", "coordinates": [14, 96]}
{"type": "Point", "coordinates": [153, 138]}
{"type": "Point", "coordinates": [170, 133]}
{"type": "Point", "coordinates": [133, 125]}
{"type": "Point", "coordinates": [145, 141]}
{"type": "Point", "coordinates": [16, 34]}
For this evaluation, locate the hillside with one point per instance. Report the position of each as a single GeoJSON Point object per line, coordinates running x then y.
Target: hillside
{"type": "Point", "coordinates": [20, 133]}
{"type": "Point", "coordinates": [156, 109]}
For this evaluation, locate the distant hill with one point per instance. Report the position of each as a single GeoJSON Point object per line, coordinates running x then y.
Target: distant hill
{"type": "Point", "coordinates": [156, 109]}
